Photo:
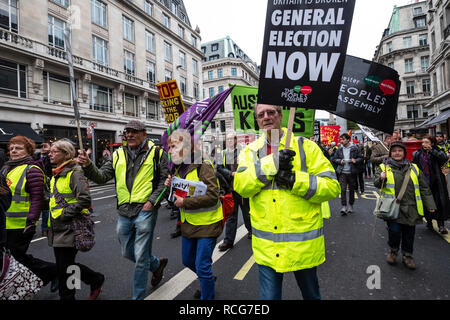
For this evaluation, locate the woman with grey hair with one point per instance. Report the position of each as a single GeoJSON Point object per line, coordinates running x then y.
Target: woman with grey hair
{"type": "Point", "coordinates": [70, 197]}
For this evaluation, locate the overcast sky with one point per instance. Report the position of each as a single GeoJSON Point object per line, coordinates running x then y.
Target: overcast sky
{"type": "Point", "coordinates": [243, 21]}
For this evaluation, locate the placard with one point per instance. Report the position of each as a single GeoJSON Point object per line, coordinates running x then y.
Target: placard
{"type": "Point", "coordinates": [171, 102]}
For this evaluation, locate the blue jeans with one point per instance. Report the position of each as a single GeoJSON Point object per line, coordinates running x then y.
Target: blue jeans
{"type": "Point", "coordinates": [136, 238]}
{"type": "Point", "coordinates": [271, 283]}
{"type": "Point", "coordinates": [44, 217]}
{"type": "Point", "coordinates": [197, 256]}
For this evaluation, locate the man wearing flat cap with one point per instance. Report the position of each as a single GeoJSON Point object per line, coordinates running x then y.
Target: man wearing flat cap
{"type": "Point", "coordinates": [139, 169]}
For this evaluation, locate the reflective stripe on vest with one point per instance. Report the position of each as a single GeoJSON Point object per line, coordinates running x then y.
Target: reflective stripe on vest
{"type": "Point", "coordinates": [143, 182]}
{"type": "Point", "coordinates": [202, 216]}
{"type": "Point", "coordinates": [63, 186]}
{"type": "Point", "coordinates": [16, 215]}
{"type": "Point", "coordinates": [389, 189]}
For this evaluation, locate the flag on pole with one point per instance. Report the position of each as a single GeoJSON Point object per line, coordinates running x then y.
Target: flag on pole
{"type": "Point", "coordinates": [71, 74]}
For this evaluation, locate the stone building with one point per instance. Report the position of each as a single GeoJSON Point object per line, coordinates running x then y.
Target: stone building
{"type": "Point", "coordinates": [121, 49]}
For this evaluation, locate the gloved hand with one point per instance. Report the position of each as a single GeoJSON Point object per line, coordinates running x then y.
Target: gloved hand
{"type": "Point", "coordinates": [285, 179]}
{"type": "Point", "coordinates": [29, 230]}
{"type": "Point", "coordinates": [285, 158]}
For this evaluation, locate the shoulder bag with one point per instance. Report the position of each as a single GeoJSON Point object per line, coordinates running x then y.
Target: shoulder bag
{"type": "Point", "coordinates": [389, 208]}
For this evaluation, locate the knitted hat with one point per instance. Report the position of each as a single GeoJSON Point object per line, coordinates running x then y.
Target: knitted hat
{"type": "Point", "coordinates": [397, 144]}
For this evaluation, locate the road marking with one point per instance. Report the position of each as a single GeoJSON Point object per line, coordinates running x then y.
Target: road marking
{"type": "Point", "coordinates": [245, 269]}
{"type": "Point", "coordinates": [436, 228]}
{"type": "Point", "coordinates": [172, 288]}
{"type": "Point", "coordinates": [106, 197]}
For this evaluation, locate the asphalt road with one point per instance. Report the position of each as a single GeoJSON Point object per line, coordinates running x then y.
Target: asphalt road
{"type": "Point", "coordinates": [355, 268]}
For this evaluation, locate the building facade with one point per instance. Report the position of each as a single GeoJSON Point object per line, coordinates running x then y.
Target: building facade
{"type": "Point", "coordinates": [405, 48]}
{"type": "Point", "coordinates": [439, 69]}
{"type": "Point", "coordinates": [121, 49]}
{"type": "Point", "coordinates": [225, 63]}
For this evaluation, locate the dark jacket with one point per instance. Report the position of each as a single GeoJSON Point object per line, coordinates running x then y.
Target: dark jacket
{"type": "Point", "coordinates": [5, 202]}
{"type": "Point", "coordinates": [34, 186]}
{"type": "Point", "coordinates": [207, 175]}
{"type": "Point", "coordinates": [408, 208]}
{"type": "Point", "coordinates": [379, 153]}
{"type": "Point", "coordinates": [60, 232]}
{"type": "Point", "coordinates": [107, 172]}
{"type": "Point", "coordinates": [354, 154]}
{"type": "Point", "coordinates": [438, 184]}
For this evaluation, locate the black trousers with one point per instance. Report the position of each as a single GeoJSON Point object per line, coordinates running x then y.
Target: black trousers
{"type": "Point", "coordinates": [231, 224]}
{"type": "Point", "coordinates": [347, 180]}
{"type": "Point", "coordinates": [18, 244]}
{"type": "Point", "coordinates": [65, 258]}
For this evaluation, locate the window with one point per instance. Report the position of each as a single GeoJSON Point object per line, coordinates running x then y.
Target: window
{"type": "Point", "coordinates": [128, 62]}
{"type": "Point", "coordinates": [101, 98]}
{"type": "Point", "coordinates": [409, 65]}
{"type": "Point", "coordinates": [183, 59]}
{"type": "Point", "coordinates": [233, 72]}
{"type": "Point", "coordinates": [214, 57]}
{"type": "Point", "coordinates": [98, 13]}
{"type": "Point", "coordinates": [166, 20]}
{"type": "Point", "coordinates": [152, 110]}
{"type": "Point", "coordinates": [195, 66]}
{"type": "Point", "coordinates": [194, 41]}
{"type": "Point", "coordinates": [420, 23]}
{"type": "Point", "coordinates": [167, 75]}
{"type": "Point", "coordinates": [128, 29]}
{"type": "Point", "coordinates": [211, 92]}
{"type": "Point", "coordinates": [426, 86]}
{"type": "Point", "coordinates": [407, 42]}
{"type": "Point", "coordinates": [174, 7]}
{"type": "Point", "coordinates": [220, 73]}
{"type": "Point", "coordinates": [181, 32]}
{"type": "Point", "coordinates": [57, 89]}
{"type": "Point", "coordinates": [9, 15]}
{"type": "Point", "coordinates": [196, 90]}
{"type": "Point", "coordinates": [410, 88]}
{"type": "Point", "coordinates": [148, 7]}
{"type": "Point", "coordinates": [13, 79]}
{"type": "Point", "coordinates": [424, 113]}
{"type": "Point", "coordinates": [391, 65]}
{"type": "Point", "coordinates": [203, 50]}
{"type": "Point", "coordinates": [220, 89]}
{"type": "Point", "coordinates": [100, 51]}
{"type": "Point", "coordinates": [210, 75]}
{"type": "Point", "coordinates": [64, 3]}
{"type": "Point", "coordinates": [389, 46]}
{"type": "Point", "coordinates": [151, 75]}
{"type": "Point", "coordinates": [130, 105]}
{"type": "Point", "coordinates": [413, 111]}
{"type": "Point", "coordinates": [223, 127]}
{"type": "Point", "coordinates": [424, 63]}
{"type": "Point", "coordinates": [56, 29]}
{"type": "Point", "coordinates": [214, 47]}
{"type": "Point", "coordinates": [149, 41]}
{"type": "Point", "coordinates": [417, 11]}
{"type": "Point", "coordinates": [423, 39]}
{"type": "Point", "coordinates": [167, 51]}
{"type": "Point", "coordinates": [183, 88]}
{"type": "Point", "coordinates": [213, 125]}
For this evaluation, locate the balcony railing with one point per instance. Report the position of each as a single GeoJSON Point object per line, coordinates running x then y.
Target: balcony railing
{"type": "Point", "coordinates": [45, 51]}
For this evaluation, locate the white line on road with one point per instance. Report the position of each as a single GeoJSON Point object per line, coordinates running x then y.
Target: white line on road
{"type": "Point", "coordinates": [106, 197]}
{"type": "Point", "coordinates": [172, 288]}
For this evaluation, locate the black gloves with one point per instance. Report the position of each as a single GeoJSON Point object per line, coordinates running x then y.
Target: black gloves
{"type": "Point", "coordinates": [285, 178]}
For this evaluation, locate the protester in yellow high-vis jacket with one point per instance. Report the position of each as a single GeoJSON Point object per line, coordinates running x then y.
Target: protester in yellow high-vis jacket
{"type": "Point", "coordinates": [415, 202]}
{"type": "Point", "coordinates": [201, 216]}
{"type": "Point", "coordinates": [288, 191]}
{"type": "Point", "coordinates": [69, 198]}
{"type": "Point", "coordinates": [139, 169]}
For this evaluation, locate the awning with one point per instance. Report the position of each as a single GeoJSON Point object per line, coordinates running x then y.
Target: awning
{"type": "Point", "coordinates": [440, 118]}
{"type": "Point", "coordinates": [12, 129]}
{"type": "Point", "coordinates": [425, 123]}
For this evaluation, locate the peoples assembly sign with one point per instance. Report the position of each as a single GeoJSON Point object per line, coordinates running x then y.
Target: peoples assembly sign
{"type": "Point", "coordinates": [304, 49]}
{"type": "Point", "coordinates": [369, 94]}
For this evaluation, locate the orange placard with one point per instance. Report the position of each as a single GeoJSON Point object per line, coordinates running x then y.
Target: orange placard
{"type": "Point", "coordinates": [171, 102]}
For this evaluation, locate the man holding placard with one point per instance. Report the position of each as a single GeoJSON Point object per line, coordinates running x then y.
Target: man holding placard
{"type": "Point", "coordinates": [286, 188]}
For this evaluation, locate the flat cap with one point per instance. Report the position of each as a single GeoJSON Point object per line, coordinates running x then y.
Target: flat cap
{"type": "Point", "coordinates": [136, 125]}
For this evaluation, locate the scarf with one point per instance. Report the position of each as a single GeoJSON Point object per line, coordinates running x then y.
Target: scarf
{"type": "Point", "coordinates": [398, 165]}
{"type": "Point", "coordinates": [424, 160]}
{"type": "Point", "coordinates": [11, 164]}
{"type": "Point", "coordinates": [61, 167]}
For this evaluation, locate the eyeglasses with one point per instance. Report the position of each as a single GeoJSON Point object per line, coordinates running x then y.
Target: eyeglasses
{"type": "Point", "coordinates": [270, 114]}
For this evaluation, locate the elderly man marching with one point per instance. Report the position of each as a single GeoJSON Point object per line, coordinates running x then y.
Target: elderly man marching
{"type": "Point", "coordinates": [288, 190]}
{"type": "Point", "coordinates": [140, 170]}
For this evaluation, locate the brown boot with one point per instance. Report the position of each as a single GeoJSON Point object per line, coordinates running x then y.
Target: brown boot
{"type": "Point", "coordinates": [392, 256]}
{"type": "Point", "coordinates": [408, 261]}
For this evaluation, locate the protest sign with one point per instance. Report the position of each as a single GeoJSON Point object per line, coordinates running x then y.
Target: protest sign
{"type": "Point", "coordinates": [243, 100]}
{"type": "Point", "coordinates": [369, 133]}
{"type": "Point", "coordinates": [369, 94]}
{"type": "Point", "coordinates": [303, 56]}
{"type": "Point", "coordinates": [171, 102]}
{"type": "Point", "coordinates": [329, 134]}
